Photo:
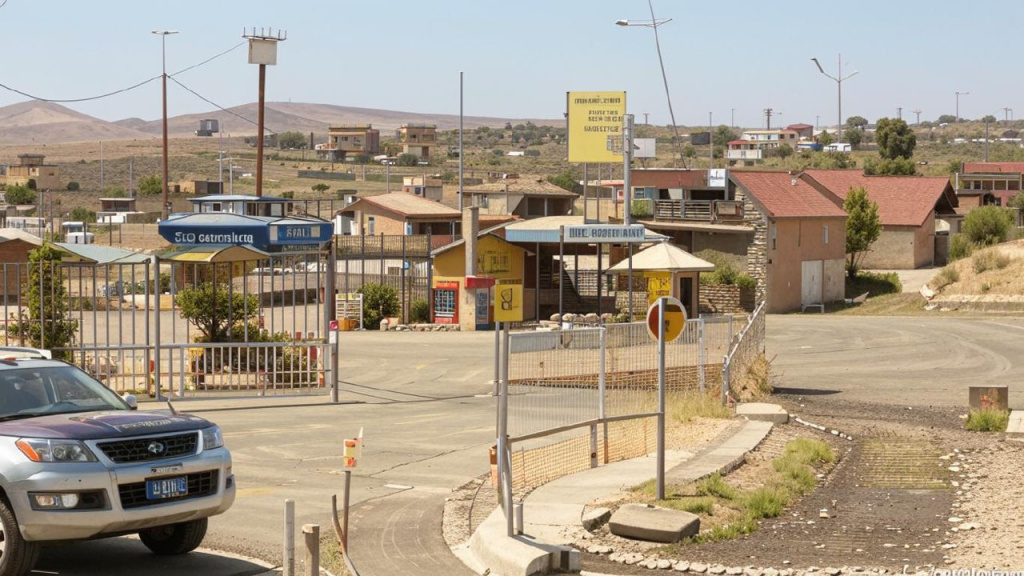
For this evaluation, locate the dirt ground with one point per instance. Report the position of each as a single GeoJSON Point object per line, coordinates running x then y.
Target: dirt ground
{"type": "Point", "coordinates": [889, 500]}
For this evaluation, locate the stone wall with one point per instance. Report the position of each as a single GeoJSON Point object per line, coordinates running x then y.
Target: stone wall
{"type": "Point", "coordinates": [726, 299]}
{"type": "Point", "coordinates": [757, 252]}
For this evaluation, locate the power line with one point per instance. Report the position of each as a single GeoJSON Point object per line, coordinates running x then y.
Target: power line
{"type": "Point", "coordinates": [218, 106]}
{"type": "Point", "coordinates": [115, 92]}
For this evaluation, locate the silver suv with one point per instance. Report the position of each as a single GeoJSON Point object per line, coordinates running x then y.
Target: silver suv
{"type": "Point", "coordinates": [78, 462]}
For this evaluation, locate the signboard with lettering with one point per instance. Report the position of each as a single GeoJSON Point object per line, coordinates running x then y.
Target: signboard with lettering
{"type": "Point", "coordinates": [595, 120]}
{"type": "Point", "coordinates": [312, 233]}
{"type": "Point", "coordinates": [658, 284]}
{"type": "Point", "coordinates": [604, 234]}
{"type": "Point", "coordinates": [508, 303]}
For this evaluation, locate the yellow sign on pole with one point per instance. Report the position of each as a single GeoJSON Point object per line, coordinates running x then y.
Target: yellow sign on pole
{"type": "Point", "coordinates": [658, 284]}
{"type": "Point", "coordinates": [674, 320]}
{"type": "Point", "coordinates": [508, 303]}
{"type": "Point", "coordinates": [595, 126]}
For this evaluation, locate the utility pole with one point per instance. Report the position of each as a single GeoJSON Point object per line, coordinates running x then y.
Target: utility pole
{"type": "Point", "coordinates": [262, 51]}
{"type": "Point", "coordinates": [732, 119]}
{"type": "Point", "coordinates": [917, 112]}
{"type": "Point", "coordinates": [1006, 114]}
{"type": "Point", "coordinates": [899, 113]}
{"type": "Point", "coordinates": [958, 95]}
{"type": "Point", "coordinates": [163, 59]}
{"type": "Point", "coordinates": [768, 118]}
{"type": "Point", "coordinates": [817, 121]}
{"type": "Point", "coordinates": [646, 123]}
{"type": "Point", "coordinates": [711, 142]}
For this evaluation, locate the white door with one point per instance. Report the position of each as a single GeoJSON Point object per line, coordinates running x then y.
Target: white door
{"type": "Point", "coordinates": [810, 282]}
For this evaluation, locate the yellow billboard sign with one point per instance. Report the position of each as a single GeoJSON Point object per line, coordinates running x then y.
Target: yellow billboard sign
{"type": "Point", "coordinates": [658, 284]}
{"type": "Point", "coordinates": [508, 303]}
{"type": "Point", "coordinates": [595, 126]}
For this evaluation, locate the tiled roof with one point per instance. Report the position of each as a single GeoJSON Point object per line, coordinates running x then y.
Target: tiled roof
{"type": "Point", "coordinates": [902, 200]}
{"type": "Point", "coordinates": [785, 195]}
{"type": "Point", "coordinates": [405, 204]}
{"type": "Point", "coordinates": [993, 167]}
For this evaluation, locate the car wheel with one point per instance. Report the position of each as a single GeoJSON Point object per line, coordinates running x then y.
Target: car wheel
{"type": "Point", "coordinates": [17, 557]}
{"type": "Point", "coordinates": [175, 538]}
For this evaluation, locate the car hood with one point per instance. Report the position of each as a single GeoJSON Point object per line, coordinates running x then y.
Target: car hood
{"type": "Point", "coordinates": [96, 425]}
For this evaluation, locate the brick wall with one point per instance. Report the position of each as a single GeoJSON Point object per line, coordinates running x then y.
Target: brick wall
{"type": "Point", "coordinates": [726, 299]}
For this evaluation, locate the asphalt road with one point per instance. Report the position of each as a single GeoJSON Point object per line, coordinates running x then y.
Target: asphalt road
{"type": "Point", "coordinates": [916, 360]}
{"type": "Point", "coordinates": [423, 402]}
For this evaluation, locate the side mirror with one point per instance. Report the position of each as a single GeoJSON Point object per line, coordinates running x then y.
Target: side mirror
{"type": "Point", "coordinates": [131, 400]}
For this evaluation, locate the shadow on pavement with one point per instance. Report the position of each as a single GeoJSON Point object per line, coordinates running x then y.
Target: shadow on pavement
{"type": "Point", "coordinates": [127, 556]}
{"type": "Point", "coordinates": [803, 392]}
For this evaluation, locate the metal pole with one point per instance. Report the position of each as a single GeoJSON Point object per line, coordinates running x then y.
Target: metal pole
{"type": "Point", "coordinates": [627, 158]}
{"type": "Point", "coordinates": [629, 247]}
{"type": "Point", "coordinates": [661, 401]}
{"type": "Point", "coordinates": [711, 142]}
{"type": "Point", "coordinates": [503, 451]}
{"type": "Point", "coordinates": [156, 330]}
{"type": "Point", "coordinates": [602, 387]}
{"type": "Point", "coordinates": [344, 518]}
{"type": "Point", "coordinates": [288, 565]}
{"type": "Point", "coordinates": [460, 145]}
{"type": "Point", "coordinates": [330, 300]}
{"type": "Point", "coordinates": [259, 143]}
{"type": "Point", "coordinates": [497, 357]}
{"type": "Point", "coordinates": [839, 88]}
{"type": "Point", "coordinates": [163, 56]}
{"type": "Point", "coordinates": [561, 258]}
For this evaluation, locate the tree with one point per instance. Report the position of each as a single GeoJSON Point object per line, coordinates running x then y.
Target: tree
{"type": "Point", "coordinates": [946, 119]}
{"type": "Point", "coordinates": [320, 187]}
{"type": "Point", "coordinates": [151, 185]}
{"type": "Point", "coordinates": [824, 138]}
{"type": "Point", "coordinates": [289, 140]}
{"type": "Point", "coordinates": [379, 302]}
{"type": "Point", "coordinates": [856, 121]}
{"type": "Point", "coordinates": [883, 167]}
{"type": "Point", "coordinates": [48, 324]}
{"type": "Point", "coordinates": [20, 195]}
{"type": "Point", "coordinates": [990, 119]}
{"type": "Point", "coordinates": [407, 159]}
{"type": "Point", "coordinates": [785, 150]}
{"type": "Point", "coordinates": [73, 186]}
{"type": "Point", "coordinates": [567, 179]}
{"type": "Point", "coordinates": [80, 214]}
{"type": "Point", "coordinates": [863, 227]}
{"type": "Point", "coordinates": [722, 136]}
{"type": "Point", "coordinates": [987, 225]}
{"type": "Point", "coordinates": [854, 136]}
{"type": "Point", "coordinates": [689, 150]}
{"type": "Point", "coordinates": [217, 312]}
{"type": "Point", "coordinates": [895, 139]}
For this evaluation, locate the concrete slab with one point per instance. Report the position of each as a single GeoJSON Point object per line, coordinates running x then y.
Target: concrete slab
{"type": "Point", "coordinates": [1015, 427]}
{"type": "Point", "coordinates": [653, 523]}
{"type": "Point", "coordinates": [494, 552]}
{"type": "Point", "coordinates": [722, 456]}
{"type": "Point", "coordinates": [763, 412]}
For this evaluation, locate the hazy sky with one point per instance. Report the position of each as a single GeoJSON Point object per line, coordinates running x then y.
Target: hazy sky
{"type": "Point", "coordinates": [520, 57]}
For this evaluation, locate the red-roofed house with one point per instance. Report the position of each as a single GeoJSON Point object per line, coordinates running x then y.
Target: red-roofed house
{"type": "Point", "coordinates": [907, 206]}
{"type": "Point", "coordinates": [988, 183]}
{"type": "Point", "coordinates": [802, 130]}
{"type": "Point", "coordinates": [798, 251]}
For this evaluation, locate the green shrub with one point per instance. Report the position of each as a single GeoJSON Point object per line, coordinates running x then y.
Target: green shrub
{"type": "Point", "coordinates": [959, 247]}
{"type": "Point", "coordinates": [988, 225]}
{"type": "Point", "coordinates": [80, 214]}
{"type": "Point", "coordinates": [745, 281]}
{"type": "Point", "coordinates": [874, 283]}
{"type": "Point", "coordinates": [641, 208]}
{"type": "Point", "coordinates": [698, 505]}
{"type": "Point", "coordinates": [379, 301]}
{"type": "Point", "coordinates": [714, 485]}
{"type": "Point", "coordinates": [766, 502]}
{"type": "Point", "coordinates": [725, 273]}
{"type": "Point", "coordinates": [419, 311]}
{"type": "Point", "coordinates": [987, 420]}
{"type": "Point", "coordinates": [73, 186]}
{"type": "Point", "coordinates": [20, 195]}
{"type": "Point", "coordinates": [989, 260]}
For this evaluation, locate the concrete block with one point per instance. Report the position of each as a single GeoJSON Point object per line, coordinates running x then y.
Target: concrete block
{"type": "Point", "coordinates": [762, 412]}
{"type": "Point", "coordinates": [654, 524]}
{"type": "Point", "coordinates": [993, 397]}
{"type": "Point", "coordinates": [595, 518]}
{"type": "Point", "coordinates": [1015, 427]}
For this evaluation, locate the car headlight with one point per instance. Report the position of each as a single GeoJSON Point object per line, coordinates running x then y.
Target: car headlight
{"type": "Point", "coordinates": [212, 438]}
{"type": "Point", "coordinates": [49, 450]}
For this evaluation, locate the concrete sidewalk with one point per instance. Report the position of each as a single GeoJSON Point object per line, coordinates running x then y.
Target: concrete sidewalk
{"type": "Point", "coordinates": [553, 513]}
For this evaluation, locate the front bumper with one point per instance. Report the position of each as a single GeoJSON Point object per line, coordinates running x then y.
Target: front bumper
{"type": "Point", "coordinates": [116, 482]}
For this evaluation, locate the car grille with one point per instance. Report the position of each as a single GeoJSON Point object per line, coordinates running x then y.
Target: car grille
{"type": "Point", "coordinates": [139, 449]}
{"type": "Point", "coordinates": [200, 484]}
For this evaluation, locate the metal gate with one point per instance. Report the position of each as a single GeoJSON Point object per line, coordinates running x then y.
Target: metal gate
{"type": "Point", "coordinates": [183, 324]}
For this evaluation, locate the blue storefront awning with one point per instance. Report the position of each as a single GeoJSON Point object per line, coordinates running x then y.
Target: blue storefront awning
{"type": "Point", "coordinates": [211, 228]}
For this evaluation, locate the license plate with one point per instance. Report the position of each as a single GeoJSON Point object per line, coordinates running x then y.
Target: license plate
{"type": "Point", "coordinates": [166, 488]}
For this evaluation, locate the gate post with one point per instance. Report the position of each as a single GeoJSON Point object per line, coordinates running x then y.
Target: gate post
{"type": "Point", "coordinates": [156, 329]}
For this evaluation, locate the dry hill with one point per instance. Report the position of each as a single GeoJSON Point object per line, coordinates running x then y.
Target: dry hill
{"type": "Point", "coordinates": [36, 122]}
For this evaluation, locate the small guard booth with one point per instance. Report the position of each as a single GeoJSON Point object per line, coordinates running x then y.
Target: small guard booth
{"type": "Point", "coordinates": [670, 271]}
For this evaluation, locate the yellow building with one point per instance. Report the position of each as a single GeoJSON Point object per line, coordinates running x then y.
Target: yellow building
{"type": "Point", "coordinates": [497, 262]}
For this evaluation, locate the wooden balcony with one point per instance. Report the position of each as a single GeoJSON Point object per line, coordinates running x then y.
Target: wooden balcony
{"type": "Point", "coordinates": [711, 211]}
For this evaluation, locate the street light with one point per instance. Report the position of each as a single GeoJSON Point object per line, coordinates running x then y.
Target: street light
{"type": "Point", "coordinates": [163, 67]}
{"type": "Point", "coordinates": [653, 24]}
{"type": "Point", "coordinates": [839, 83]}
{"type": "Point", "coordinates": [958, 95]}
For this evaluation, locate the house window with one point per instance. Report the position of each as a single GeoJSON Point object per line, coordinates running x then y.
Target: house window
{"type": "Point", "coordinates": [370, 226]}
{"type": "Point", "coordinates": [824, 236]}
{"type": "Point", "coordinates": [775, 238]}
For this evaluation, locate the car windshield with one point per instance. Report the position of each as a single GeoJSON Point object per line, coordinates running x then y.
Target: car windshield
{"type": "Point", "coordinates": [35, 391]}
